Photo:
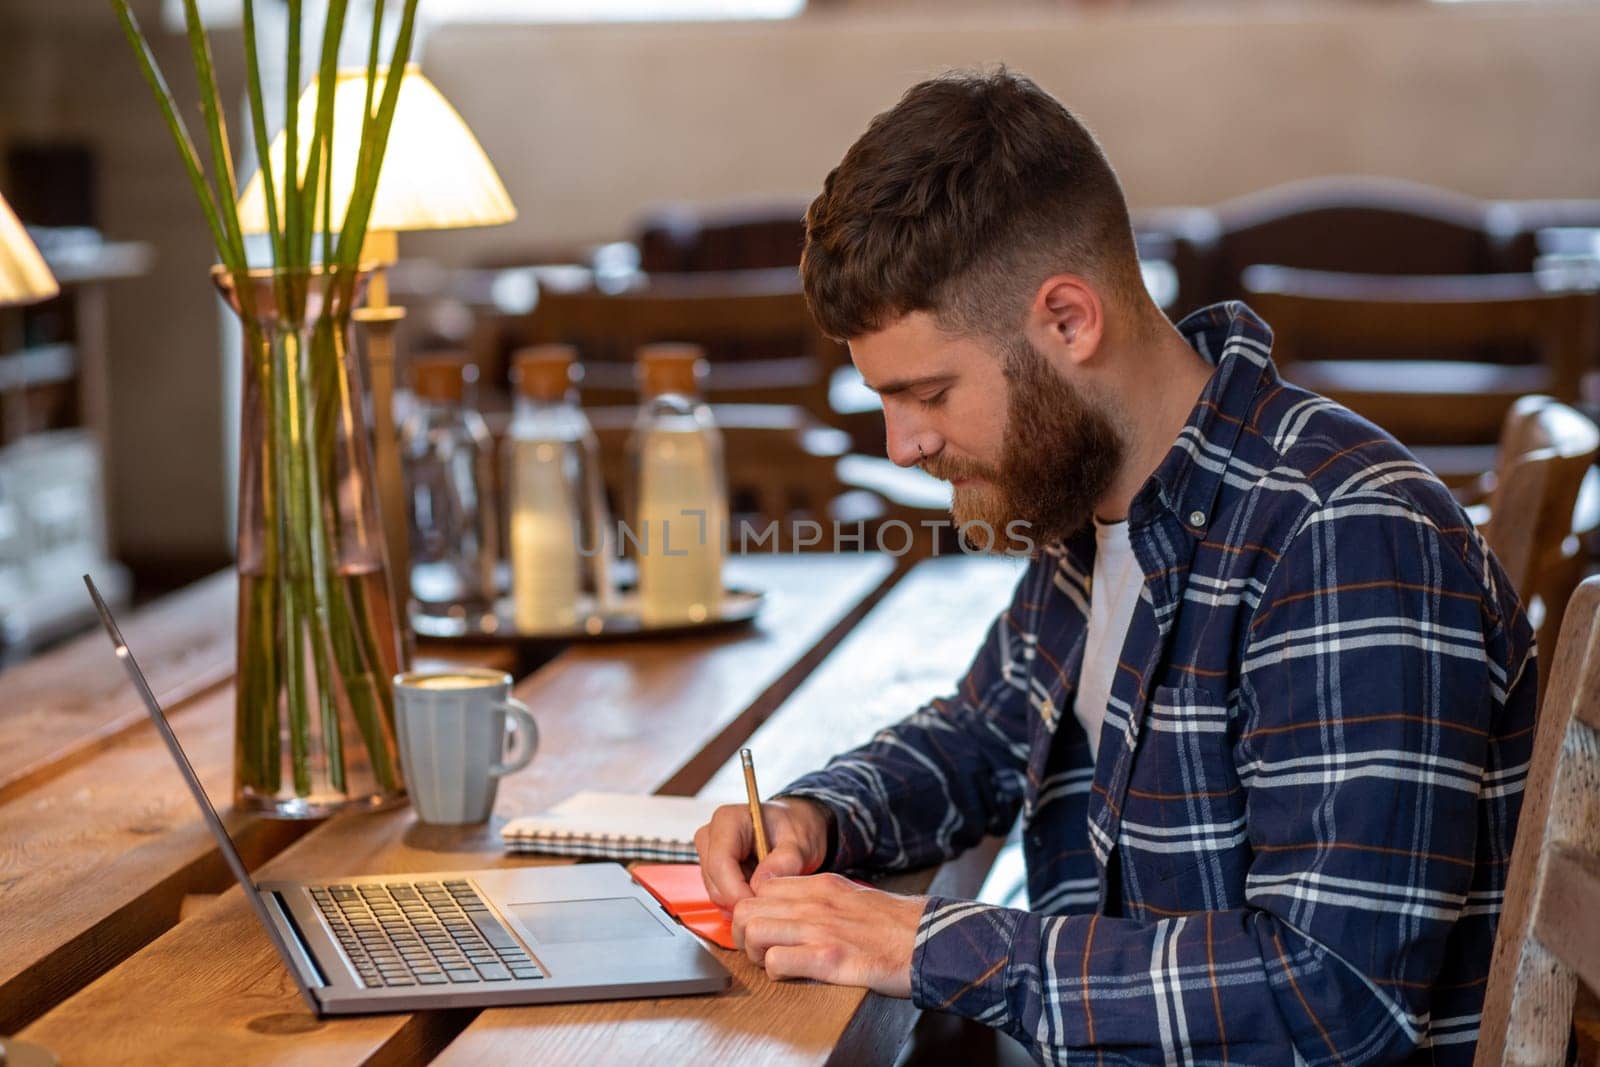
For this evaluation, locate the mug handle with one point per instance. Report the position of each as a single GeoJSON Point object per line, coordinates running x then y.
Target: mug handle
{"type": "Point", "coordinates": [520, 722]}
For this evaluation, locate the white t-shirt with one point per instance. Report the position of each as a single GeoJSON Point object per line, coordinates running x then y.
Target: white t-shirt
{"type": "Point", "coordinates": [1115, 590]}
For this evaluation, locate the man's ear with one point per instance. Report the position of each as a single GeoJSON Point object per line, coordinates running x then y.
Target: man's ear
{"type": "Point", "coordinates": [1066, 320]}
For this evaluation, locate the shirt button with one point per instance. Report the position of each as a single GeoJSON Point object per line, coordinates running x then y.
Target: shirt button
{"type": "Point", "coordinates": [1197, 518]}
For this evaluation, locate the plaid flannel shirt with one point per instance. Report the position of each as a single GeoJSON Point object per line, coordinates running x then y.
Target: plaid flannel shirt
{"type": "Point", "coordinates": [1292, 843]}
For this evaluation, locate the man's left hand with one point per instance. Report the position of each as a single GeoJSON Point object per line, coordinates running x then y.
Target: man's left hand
{"type": "Point", "coordinates": [827, 927]}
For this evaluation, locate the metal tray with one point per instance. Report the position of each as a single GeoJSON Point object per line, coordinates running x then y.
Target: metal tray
{"type": "Point", "coordinates": [622, 622]}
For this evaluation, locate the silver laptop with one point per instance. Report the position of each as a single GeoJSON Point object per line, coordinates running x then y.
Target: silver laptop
{"type": "Point", "coordinates": [457, 939]}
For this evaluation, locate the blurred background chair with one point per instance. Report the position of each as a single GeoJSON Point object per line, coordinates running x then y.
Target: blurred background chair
{"type": "Point", "coordinates": [1437, 361]}
{"type": "Point", "coordinates": [1185, 238]}
{"type": "Point", "coordinates": [1525, 230]}
{"type": "Point", "coordinates": [1548, 942]}
{"type": "Point", "coordinates": [760, 341]}
{"type": "Point", "coordinates": [679, 238]}
{"type": "Point", "coordinates": [1355, 223]}
{"type": "Point", "coordinates": [1542, 503]}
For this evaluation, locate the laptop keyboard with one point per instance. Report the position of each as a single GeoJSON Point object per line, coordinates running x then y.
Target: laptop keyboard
{"type": "Point", "coordinates": [421, 934]}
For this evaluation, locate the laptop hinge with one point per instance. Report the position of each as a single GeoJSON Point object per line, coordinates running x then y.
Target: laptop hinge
{"type": "Point", "coordinates": [311, 976]}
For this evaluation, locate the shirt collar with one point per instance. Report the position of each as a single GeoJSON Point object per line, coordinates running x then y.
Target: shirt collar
{"type": "Point", "coordinates": [1232, 338]}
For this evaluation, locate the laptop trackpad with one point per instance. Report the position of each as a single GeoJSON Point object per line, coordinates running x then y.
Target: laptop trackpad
{"type": "Point", "coordinates": [565, 921]}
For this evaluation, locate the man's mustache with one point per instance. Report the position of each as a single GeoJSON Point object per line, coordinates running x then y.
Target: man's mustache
{"type": "Point", "coordinates": [951, 470]}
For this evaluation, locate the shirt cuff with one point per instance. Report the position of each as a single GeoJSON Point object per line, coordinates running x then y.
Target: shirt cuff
{"type": "Point", "coordinates": [849, 844]}
{"type": "Point", "coordinates": [962, 960]}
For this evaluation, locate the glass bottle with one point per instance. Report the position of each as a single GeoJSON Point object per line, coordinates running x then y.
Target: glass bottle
{"type": "Point", "coordinates": [559, 542]}
{"type": "Point", "coordinates": [448, 458]}
{"type": "Point", "coordinates": [678, 494]}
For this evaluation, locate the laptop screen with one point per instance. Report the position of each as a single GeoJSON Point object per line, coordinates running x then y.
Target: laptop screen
{"type": "Point", "coordinates": [218, 831]}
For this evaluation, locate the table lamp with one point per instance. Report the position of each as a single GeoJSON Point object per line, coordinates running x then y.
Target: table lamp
{"type": "Point", "coordinates": [435, 176]}
{"type": "Point", "coordinates": [24, 278]}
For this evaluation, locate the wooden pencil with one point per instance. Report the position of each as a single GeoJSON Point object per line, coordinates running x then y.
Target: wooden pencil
{"type": "Point", "coordinates": [755, 803]}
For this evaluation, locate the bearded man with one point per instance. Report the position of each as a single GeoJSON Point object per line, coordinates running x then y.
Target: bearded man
{"type": "Point", "coordinates": [1263, 699]}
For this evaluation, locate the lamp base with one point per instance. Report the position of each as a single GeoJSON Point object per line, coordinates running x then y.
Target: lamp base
{"type": "Point", "coordinates": [378, 321]}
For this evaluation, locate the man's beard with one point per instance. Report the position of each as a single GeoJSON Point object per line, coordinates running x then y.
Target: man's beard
{"type": "Point", "coordinates": [1060, 455]}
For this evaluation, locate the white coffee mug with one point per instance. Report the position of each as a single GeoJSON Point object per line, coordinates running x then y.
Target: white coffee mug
{"type": "Point", "coordinates": [455, 725]}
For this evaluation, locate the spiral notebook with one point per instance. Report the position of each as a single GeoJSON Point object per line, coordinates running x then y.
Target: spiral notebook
{"type": "Point", "coordinates": [618, 826]}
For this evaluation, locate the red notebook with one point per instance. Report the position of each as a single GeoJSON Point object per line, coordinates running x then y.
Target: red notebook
{"type": "Point", "coordinates": [682, 892]}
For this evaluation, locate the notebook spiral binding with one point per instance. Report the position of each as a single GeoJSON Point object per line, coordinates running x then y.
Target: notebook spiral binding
{"type": "Point", "coordinates": [602, 846]}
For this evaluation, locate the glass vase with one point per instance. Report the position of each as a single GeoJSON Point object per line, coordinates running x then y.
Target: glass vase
{"type": "Point", "coordinates": [318, 645]}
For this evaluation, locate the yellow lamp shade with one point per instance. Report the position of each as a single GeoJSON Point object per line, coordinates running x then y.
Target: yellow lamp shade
{"type": "Point", "coordinates": [23, 276]}
{"type": "Point", "coordinates": [435, 175]}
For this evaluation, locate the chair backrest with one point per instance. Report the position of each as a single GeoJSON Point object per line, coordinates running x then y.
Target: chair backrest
{"type": "Point", "coordinates": [1435, 360]}
{"type": "Point", "coordinates": [748, 236]}
{"type": "Point", "coordinates": [1353, 223]}
{"type": "Point", "coordinates": [1187, 238]}
{"type": "Point", "coordinates": [1323, 314]}
{"type": "Point", "coordinates": [760, 339]}
{"type": "Point", "coordinates": [1548, 938]}
{"type": "Point", "coordinates": [1546, 451]}
{"type": "Point", "coordinates": [1516, 225]}
{"type": "Point", "coordinates": [780, 462]}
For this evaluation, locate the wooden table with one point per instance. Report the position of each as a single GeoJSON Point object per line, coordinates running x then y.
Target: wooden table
{"type": "Point", "coordinates": [99, 845]}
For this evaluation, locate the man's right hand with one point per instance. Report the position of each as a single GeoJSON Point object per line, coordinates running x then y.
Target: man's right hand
{"type": "Point", "coordinates": [797, 832]}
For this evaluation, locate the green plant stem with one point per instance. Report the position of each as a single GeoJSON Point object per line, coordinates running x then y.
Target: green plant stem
{"type": "Point", "coordinates": [273, 622]}
{"type": "Point", "coordinates": [375, 706]}
{"type": "Point", "coordinates": [376, 138]}
{"type": "Point", "coordinates": [216, 131]}
{"type": "Point", "coordinates": [293, 203]}
{"type": "Point", "coordinates": [364, 674]}
{"type": "Point", "coordinates": [179, 131]}
{"type": "Point", "coordinates": [362, 668]}
{"type": "Point", "coordinates": [374, 46]}
{"type": "Point", "coordinates": [256, 746]}
{"type": "Point", "coordinates": [327, 220]}
{"type": "Point", "coordinates": [258, 124]}
{"type": "Point", "coordinates": [322, 126]}
{"type": "Point", "coordinates": [320, 531]}
{"type": "Point", "coordinates": [293, 565]}
{"type": "Point", "coordinates": [265, 742]}
{"type": "Point", "coordinates": [363, 154]}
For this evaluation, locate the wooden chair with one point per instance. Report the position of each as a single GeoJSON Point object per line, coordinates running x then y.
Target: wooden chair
{"type": "Point", "coordinates": [761, 342]}
{"type": "Point", "coordinates": [753, 235]}
{"type": "Point", "coordinates": [1519, 222]}
{"type": "Point", "coordinates": [1549, 940]}
{"type": "Point", "coordinates": [781, 470]}
{"type": "Point", "coordinates": [1359, 223]}
{"type": "Point", "coordinates": [1535, 522]}
{"type": "Point", "coordinates": [1186, 238]}
{"type": "Point", "coordinates": [1407, 336]}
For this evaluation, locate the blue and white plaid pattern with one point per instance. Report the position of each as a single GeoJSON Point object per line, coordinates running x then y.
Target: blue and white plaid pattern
{"type": "Point", "coordinates": [1292, 845]}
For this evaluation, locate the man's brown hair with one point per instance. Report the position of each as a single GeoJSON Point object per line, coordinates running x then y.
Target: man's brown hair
{"type": "Point", "coordinates": [959, 200]}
